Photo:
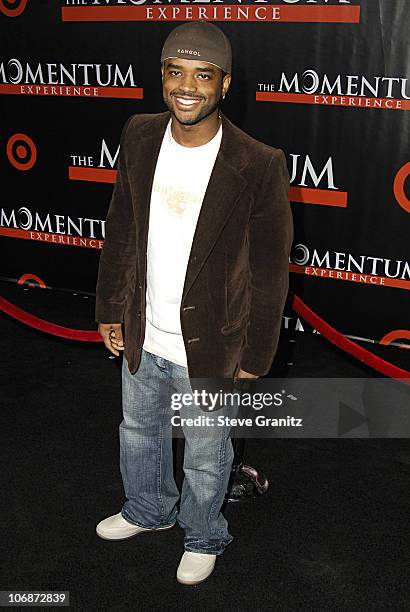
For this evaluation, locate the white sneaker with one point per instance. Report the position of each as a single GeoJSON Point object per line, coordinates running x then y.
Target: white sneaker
{"type": "Point", "coordinates": [117, 528]}
{"type": "Point", "coordinates": [195, 567]}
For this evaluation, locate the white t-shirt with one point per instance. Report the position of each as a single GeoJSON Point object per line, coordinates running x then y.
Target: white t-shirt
{"type": "Point", "coordinates": [180, 181]}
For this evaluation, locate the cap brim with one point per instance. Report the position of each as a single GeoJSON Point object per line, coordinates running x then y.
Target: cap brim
{"type": "Point", "coordinates": [191, 60]}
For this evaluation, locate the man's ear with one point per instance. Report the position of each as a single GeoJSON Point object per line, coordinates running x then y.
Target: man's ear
{"type": "Point", "coordinates": [226, 81]}
{"type": "Point", "coordinates": [162, 72]}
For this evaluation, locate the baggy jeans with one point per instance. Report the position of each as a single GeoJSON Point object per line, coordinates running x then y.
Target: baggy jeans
{"type": "Point", "coordinates": [146, 458]}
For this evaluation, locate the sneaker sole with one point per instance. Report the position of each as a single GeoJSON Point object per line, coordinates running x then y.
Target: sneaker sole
{"type": "Point", "coordinates": [133, 534]}
{"type": "Point", "coordinates": [192, 583]}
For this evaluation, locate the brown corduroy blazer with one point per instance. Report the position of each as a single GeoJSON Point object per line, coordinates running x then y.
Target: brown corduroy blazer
{"type": "Point", "coordinates": [237, 275]}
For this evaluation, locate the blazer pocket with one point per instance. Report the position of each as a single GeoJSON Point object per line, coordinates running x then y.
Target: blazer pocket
{"type": "Point", "coordinates": [232, 327]}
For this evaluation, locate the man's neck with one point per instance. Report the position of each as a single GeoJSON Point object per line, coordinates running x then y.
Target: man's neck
{"type": "Point", "coordinates": [197, 134]}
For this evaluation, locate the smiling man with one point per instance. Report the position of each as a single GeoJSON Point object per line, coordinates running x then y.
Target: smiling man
{"type": "Point", "coordinates": [192, 282]}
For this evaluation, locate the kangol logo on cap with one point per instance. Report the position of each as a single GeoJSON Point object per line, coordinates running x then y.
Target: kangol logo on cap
{"type": "Point", "coordinates": [189, 52]}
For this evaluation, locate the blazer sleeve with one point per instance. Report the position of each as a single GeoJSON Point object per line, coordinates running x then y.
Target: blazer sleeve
{"type": "Point", "coordinates": [118, 256]}
{"type": "Point", "coordinates": [270, 241]}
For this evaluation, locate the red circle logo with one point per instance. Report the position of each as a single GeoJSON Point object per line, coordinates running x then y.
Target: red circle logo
{"type": "Point", "coordinates": [28, 278]}
{"type": "Point", "coordinates": [21, 152]}
{"type": "Point", "coordinates": [397, 334]}
{"type": "Point", "coordinates": [12, 8]}
{"type": "Point", "coordinates": [399, 187]}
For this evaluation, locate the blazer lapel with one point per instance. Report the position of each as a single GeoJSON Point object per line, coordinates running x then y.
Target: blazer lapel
{"type": "Point", "coordinates": [225, 185]}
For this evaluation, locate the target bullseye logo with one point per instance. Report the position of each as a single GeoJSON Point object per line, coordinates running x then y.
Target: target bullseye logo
{"type": "Point", "coordinates": [27, 279]}
{"type": "Point", "coordinates": [12, 8]}
{"type": "Point", "coordinates": [399, 187]}
{"type": "Point", "coordinates": [21, 152]}
{"type": "Point", "coordinates": [396, 334]}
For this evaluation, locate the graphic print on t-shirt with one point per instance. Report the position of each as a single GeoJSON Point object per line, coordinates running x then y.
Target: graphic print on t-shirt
{"type": "Point", "coordinates": [176, 199]}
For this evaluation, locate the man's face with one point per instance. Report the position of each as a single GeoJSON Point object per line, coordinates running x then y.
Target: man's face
{"type": "Point", "coordinates": [192, 89]}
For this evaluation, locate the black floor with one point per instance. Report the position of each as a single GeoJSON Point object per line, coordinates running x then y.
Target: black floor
{"type": "Point", "coordinates": [331, 534]}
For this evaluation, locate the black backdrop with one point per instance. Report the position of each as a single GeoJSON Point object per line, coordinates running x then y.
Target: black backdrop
{"type": "Point", "coordinates": [326, 82]}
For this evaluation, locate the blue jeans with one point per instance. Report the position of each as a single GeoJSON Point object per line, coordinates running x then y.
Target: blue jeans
{"type": "Point", "coordinates": [146, 458]}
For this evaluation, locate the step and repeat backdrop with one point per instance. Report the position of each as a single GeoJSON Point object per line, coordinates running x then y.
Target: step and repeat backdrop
{"type": "Point", "coordinates": [325, 80]}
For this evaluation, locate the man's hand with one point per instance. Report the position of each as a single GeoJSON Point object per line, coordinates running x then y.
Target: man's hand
{"type": "Point", "coordinates": [111, 333]}
{"type": "Point", "coordinates": [243, 374]}
{"type": "Point", "coordinates": [242, 381]}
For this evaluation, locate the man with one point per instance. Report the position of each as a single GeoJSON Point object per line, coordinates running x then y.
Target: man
{"type": "Point", "coordinates": [194, 269]}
